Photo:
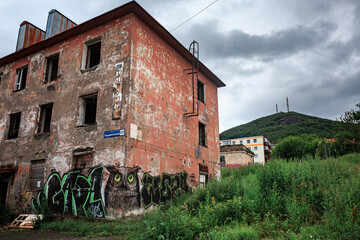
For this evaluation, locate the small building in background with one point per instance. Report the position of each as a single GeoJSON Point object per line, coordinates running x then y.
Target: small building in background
{"type": "Point", "coordinates": [259, 145]}
{"type": "Point", "coordinates": [236, 156]}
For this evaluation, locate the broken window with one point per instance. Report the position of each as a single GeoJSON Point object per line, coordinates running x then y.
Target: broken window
{"type": "Point", "coordinates": [92, 53]}
{"type": "Point", "coordinates": [83, 161]}
{"type": "Point", "coordinates": [14, 125]}
{"type": "Point", "coordinates": [37, 174]}
{"type": "Point", "coordinates": [201, 91]}
{"type": "Point", "coordinates": [52, 65]}
{"type": "Point", "coordinates": [88, 109]}
{"type": "Point", "coordinates": [45, 118]}
{"type": "Point", "coordinates": [20, 79]}
{"type": "Point", "coordinates": [202, 135]}
{"type": "Point", "coordinates": [203, 175]}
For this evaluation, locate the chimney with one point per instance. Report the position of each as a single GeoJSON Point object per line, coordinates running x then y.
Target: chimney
{"type": "Point", "coordinates": [28, 35]}
{"type": "Point", "coordinates": [57, 23]}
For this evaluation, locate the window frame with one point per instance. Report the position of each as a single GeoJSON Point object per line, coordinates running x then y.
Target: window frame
{"type": "Point", "coordinates": [43, 118]}
{"type": "Point", "coordinates": [255, 140]}
{"type": "Point", "coordinates": [200, 91]}
{"type": "Point", "coordinates": [49, 68]}
{"type": "Point", "coordinates": [202, 134]}
{"type": "Point", "coordinates": [87, 53]}
{"type": "Point", "coordinates": [248, 141]}
{"type": "Point", "coordinates": [83, 109]}
{"type": "Point", "coordinates": [14, 126]}
{"type": "Point", "coordinates": [20, 80]}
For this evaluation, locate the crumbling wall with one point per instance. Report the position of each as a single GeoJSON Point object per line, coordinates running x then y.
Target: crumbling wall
{"type": "Point", "coordinates": [165, 139]}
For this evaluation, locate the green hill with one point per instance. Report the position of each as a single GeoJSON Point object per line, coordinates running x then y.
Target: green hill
{"type": "Point", "coordinates": [280, 125]}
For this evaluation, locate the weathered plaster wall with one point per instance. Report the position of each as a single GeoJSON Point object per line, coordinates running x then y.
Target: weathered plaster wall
{"type": "Point", "coordinates": [161, 92]}
{"type": "Point", "coordinates": [147, 97]}
{"type": "Point", "coordinates": [66, 135]}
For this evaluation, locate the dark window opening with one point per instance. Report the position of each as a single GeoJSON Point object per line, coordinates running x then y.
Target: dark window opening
{"type": "Point", "coordinates": [45, 118]}
{"type": "Point", "coordinates": [93, 54]}
{"type": "Point", "coordinates": [1, 76]}
{"type": "Point", "coordinates": [202, 135]}
{"type": "Point", "coordinates": [201, 91]}
{"type": "Point", "coordinates": [14, 125]}
{"type": "Point", "coordinates": [37, 174]}
{"type": "Point", "coordinates": [52, 68]}
{"type": "Point", "coordinates": [84, 162]}
{"type": "Point", "coordinates": [20, 81]}
{"type": "Point", "coordinates": [89, 109]}
{"type": "Point", "coordinates": [222, 158]}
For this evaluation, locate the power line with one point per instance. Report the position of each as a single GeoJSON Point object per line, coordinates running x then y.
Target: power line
{"type": "Point", "coordinates": [194, 15]}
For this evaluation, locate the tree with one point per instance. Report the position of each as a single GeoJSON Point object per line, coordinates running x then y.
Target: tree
{"type": "Point", "coordinates": [296, 147]}
{"type": "Point", "coordinates": [350, 126]}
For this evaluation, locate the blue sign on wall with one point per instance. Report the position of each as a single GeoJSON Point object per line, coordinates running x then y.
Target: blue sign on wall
{"type": "Point", "coordinates": [114, 133]}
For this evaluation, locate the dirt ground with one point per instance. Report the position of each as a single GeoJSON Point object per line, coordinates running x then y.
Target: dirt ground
{"type": "Point", "coordinates": [31, 234]}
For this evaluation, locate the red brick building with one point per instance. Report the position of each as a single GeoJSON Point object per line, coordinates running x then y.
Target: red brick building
{"type": "Point", "coordinates": [106, 117]}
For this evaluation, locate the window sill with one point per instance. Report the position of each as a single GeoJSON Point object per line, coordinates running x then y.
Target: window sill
{"type": "Point", "coordinates": [87, 127]}
{"type": "Point", "coordinates": [89, 69]}
{"type": "Point", "coordinates": [42, 135]}
{"type": "Point", "coordinates": [52, 81]}
{"type": "Point", "coordinates": [18, 90]}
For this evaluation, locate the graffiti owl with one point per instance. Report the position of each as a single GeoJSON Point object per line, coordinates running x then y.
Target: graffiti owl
{"type": "Point", "coordinates": [122, 192]}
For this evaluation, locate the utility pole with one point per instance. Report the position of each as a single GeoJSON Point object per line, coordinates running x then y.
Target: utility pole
{"type": "Point", "coordinates": [277, 110]}
{"type": "Point", "coordinates": [287, 103]}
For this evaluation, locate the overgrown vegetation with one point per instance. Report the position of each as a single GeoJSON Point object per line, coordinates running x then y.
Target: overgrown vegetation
{"type": "Point", "coordinates": [313, 199]}
{"type": "Point", "coordinates": [281, 125]}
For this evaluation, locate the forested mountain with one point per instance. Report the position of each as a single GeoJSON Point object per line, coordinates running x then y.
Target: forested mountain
{"type": "Point", "coordinates": [280, 125]}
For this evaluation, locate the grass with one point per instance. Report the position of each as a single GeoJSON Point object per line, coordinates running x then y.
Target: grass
{"type": "Point", "coordinates": [281, 200]}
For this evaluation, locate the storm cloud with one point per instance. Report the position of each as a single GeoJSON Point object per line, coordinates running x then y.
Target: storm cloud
{"type": "Point", "coordinates": [281, 43]}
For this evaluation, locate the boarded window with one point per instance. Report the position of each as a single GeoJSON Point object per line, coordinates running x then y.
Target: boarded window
{"type": "Point", "coordinates": [20, 79]}
{"type": "Point", "coordinates": [201, 91]}
{"type": "Point", "coordinates": [45, 118]}
{"type": "Point", "coordinates": [83, 161]}
{"type": "Point", "coordinates": [37, 174]}
{"type": "Point", "coordinates": [202, 135]}
{"type": "Point", "coordinates": [93, 54]}
{"type": "Point", "coordinates": [14, 125]}
{"type": "Point", "coordinates": [52, 65]}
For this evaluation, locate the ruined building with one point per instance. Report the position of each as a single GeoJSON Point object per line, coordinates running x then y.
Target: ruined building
{"type": "Point", "coordinates": [104, 118]}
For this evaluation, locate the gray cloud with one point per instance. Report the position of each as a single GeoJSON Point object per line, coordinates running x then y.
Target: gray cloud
{"type": "Point", "coordinates": [282, 43]}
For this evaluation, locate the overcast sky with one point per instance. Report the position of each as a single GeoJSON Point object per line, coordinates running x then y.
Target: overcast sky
{"type": "Point", "coordinates": [264, 51]}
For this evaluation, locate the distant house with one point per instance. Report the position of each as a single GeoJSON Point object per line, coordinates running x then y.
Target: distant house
{"type": "Point", "coordinates": [260, 145]}
{"type": "Point", "coordinates": [236, 156]}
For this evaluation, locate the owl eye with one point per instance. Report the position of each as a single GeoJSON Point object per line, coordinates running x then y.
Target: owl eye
{"type": "Point", "coordinates": [130, 178]}
{"type": "Point", "coordinates": [117, 177]}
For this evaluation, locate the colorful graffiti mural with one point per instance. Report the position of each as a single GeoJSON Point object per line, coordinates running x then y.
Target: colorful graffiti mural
{"type": "Point", "coordinates": [107, 190]}
{"type": "Point", "coordinates": [157, 190]}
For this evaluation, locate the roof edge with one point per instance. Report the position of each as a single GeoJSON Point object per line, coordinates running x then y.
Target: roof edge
{"type": "Point", "coordinates": [130, 7]}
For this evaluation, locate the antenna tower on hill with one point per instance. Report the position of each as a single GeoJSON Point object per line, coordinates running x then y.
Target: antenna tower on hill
{"type": "Point", "coordinates": [287, 104]}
